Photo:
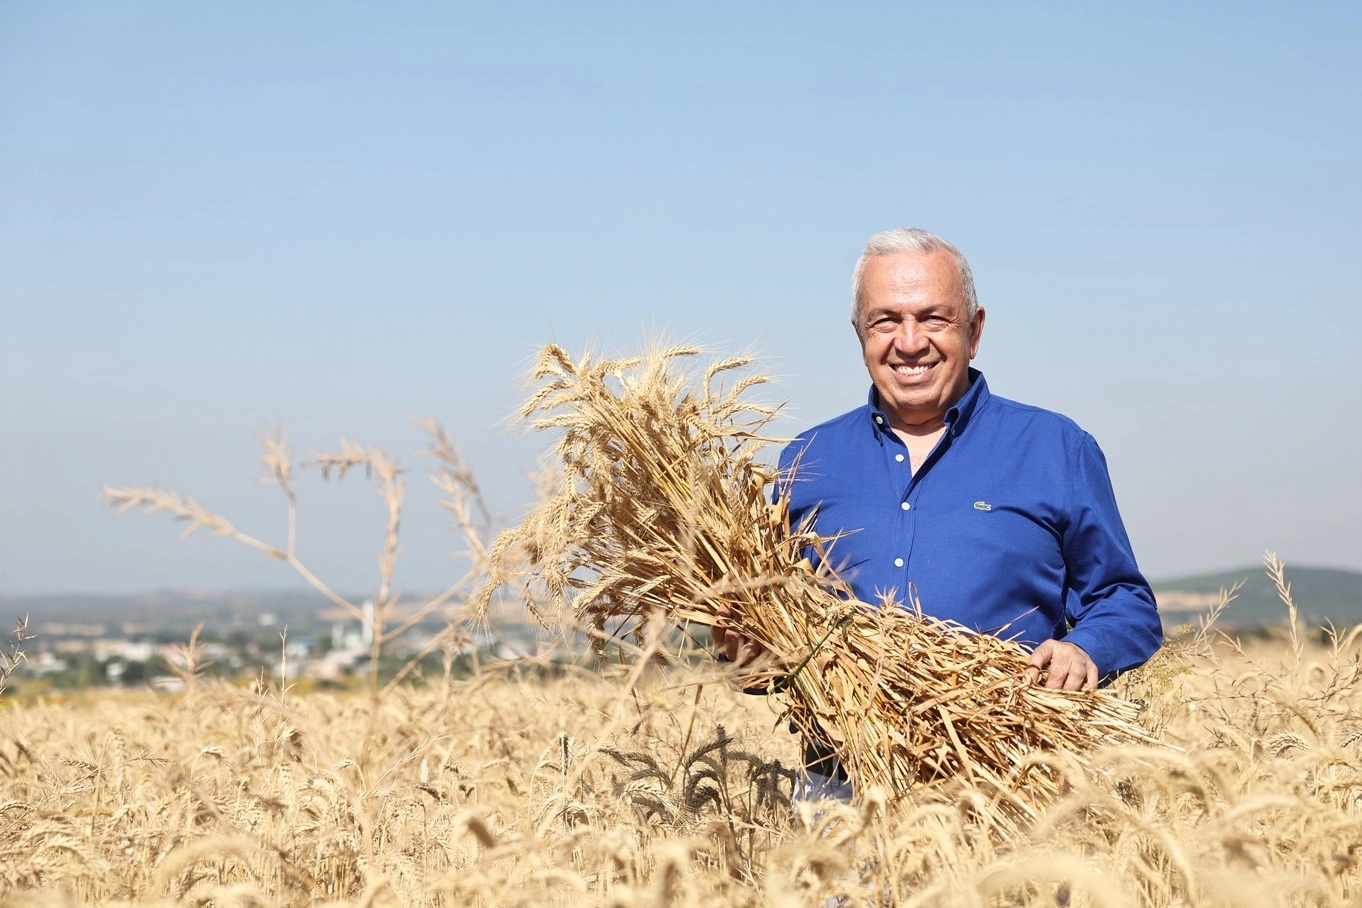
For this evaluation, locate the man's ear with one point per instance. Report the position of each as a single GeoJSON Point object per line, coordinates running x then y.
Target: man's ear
{"type": "Point", "coordinates": [976, 329]}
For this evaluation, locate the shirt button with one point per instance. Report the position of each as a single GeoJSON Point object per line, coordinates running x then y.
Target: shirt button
{"type": "Point", "coordinates": [905, 505]}
{"type": "Point", "coordinates": [879, 419]}
{"type": "Point", "coordinates": [898, 562]}
{"type": "Point", "coordinates": [899, 458]}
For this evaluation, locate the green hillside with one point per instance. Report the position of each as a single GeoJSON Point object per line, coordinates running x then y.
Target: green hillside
{"type": "Point", "coordinates": [1321, 594]}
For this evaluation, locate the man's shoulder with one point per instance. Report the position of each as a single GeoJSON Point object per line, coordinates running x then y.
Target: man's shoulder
{"type": "Point", "coordinates": [846, 422]}
{"type": "Point", "coordinates": [1012, 415]}
{"type": "Point", "coordinates": [838, 427]}
{"type": "Point", "coordinates": [830, 437]}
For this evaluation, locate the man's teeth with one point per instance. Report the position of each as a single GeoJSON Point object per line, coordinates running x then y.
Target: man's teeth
{"type": "Point", "coordinates": [911, 370]}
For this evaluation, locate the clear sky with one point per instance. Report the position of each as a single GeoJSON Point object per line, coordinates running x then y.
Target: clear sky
{"type": "Point", "coordinates": [216, 217]}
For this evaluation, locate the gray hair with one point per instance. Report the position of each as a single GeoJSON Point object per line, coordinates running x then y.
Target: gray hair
{"type": "Point", "coordinates": [915, 240]}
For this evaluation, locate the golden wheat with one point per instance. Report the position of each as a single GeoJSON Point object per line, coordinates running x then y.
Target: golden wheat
{"type": "Point", "coordinates": [503, 790]}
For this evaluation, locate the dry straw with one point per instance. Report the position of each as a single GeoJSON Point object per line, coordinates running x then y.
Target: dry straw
{"type": "Point", "coordinates": [451, 476]}
{"type": "Point", "coordinates": [661, 508]}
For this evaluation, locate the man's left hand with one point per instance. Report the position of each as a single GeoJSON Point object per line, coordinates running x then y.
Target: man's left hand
{"type": "Point", "coordinates": [1067, 666]}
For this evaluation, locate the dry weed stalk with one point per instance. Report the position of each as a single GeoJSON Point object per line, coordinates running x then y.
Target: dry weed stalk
{"type": "Point", "coordinates": [451, 477]}
{"type": "Point", "coordinates": [11, 660]}
{"type": "Point", "coordinates": [661, 508]}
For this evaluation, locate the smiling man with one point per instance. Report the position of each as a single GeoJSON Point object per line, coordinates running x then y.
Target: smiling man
{"type": "Point", "coordinates": [993, 514]}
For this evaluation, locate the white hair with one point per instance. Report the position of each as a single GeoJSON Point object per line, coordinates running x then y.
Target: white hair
{"type": "Point", "coordinates": [915, 240]}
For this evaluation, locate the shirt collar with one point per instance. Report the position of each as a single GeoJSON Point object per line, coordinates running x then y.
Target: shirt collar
{"type": "Point", "coordinates": [957, 417]}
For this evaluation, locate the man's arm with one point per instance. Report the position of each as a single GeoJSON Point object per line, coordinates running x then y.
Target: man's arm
{"type": "Point", "coordinates": [1109, 605]}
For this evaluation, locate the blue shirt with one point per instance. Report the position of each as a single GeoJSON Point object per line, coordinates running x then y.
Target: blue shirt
{"type": "Point", "coordinates": [1009, 527]}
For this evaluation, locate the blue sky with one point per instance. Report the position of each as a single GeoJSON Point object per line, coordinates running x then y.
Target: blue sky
{"type": "Point", "coordinates": [335, 217]}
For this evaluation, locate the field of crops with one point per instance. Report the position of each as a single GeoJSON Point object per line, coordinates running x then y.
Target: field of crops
{"type": "Point", "coordinates": [663, 787]}
{"type": "Point", "coordinates": [654, 781]}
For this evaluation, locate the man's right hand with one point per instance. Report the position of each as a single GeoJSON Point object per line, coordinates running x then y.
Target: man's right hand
{"type": "Point", "coordinates": [733, 646]}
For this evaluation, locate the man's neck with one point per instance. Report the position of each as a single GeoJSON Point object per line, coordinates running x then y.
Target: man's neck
{"type": "Point", "coordinates": [920, 441]}
{"type": "Point", "coordinates": [930, 426]}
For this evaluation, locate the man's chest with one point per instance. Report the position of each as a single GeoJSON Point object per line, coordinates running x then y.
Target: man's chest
{"type": "Point", "coordinates": [967, 513]}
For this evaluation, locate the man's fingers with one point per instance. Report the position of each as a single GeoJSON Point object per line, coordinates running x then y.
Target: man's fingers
{"type": "Point", "coordinates": [1079, 678]}
{"type": "Point", "coordinates": [731, 645]}
{"type": "Point", "coordinates": [1062, 677]}
{"type": "Point", "coordinates": [1065, 673]}
{"type": "Point", "coordinates": [1066, 666]}
{"type": "Point", "coordinates": [1040, 657]}
{"type": "Point", "coordinates": [722, 638]}
{"type": "Point", "coordinates": [741, 650]}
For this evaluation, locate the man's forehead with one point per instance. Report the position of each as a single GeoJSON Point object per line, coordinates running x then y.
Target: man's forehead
{"type": "Point", "coordinates": [937, 263]}
{"type": "Point", "coordinates": [912, 278]}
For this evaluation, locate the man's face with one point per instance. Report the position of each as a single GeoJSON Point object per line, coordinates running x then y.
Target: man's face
{"type": "Point", "coordinates": [916, 337]}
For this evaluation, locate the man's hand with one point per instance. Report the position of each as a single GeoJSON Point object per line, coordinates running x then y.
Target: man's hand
{"type": "Point", "coordinates": [732, 645]}
{"type": "Point", "coordinates": [1069, 667]}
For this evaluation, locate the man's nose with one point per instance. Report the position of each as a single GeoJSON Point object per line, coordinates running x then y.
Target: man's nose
{"type": "Point", "coordinates": [910, 338]}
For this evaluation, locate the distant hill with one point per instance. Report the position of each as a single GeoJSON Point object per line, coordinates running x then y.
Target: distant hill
{"type": "Point", "coordinates": [1321, 594]}
{"type": "Point", "coordinates": [171, 615]}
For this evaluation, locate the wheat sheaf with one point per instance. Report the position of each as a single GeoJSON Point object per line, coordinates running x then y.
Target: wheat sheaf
{"type": "Point", "coordinates": [661, 506]}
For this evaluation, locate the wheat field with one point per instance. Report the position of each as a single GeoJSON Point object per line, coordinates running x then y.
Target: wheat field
{"type": "Point", "coordinates": [650, 779]}
{"type": "Point", "coordinates": [663, 786]}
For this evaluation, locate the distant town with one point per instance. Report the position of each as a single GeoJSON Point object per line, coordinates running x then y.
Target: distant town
{"type": "Point", "coordinates": [81, 641]}
{"type": "Point", "coordinates": [77, 641]}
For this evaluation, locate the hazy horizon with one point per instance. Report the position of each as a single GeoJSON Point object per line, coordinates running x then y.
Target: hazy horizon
{"type": "Point", "coordinates": [216, 220]}
{"type": "Point", "coordinates": [300, 587]}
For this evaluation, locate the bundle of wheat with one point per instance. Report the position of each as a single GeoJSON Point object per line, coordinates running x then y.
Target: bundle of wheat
{"type": "Point", "coordinates": [661, 506]}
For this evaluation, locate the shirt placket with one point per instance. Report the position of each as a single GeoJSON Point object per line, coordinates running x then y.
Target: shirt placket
{"type": "Point", "coordinates": [900, 471]}
{"type": "Point", "coordinates": [907, 506]}
{"type": "Point", "coordinates": [911, 500]}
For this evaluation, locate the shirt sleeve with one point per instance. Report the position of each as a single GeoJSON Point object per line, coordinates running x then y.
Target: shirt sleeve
{"type": "Point", "coordinates": [1109, 605]}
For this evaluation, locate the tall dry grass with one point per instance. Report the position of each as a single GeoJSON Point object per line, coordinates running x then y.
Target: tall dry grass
{"type": "Point", "coordinates": [663, 787]}
{"type": "Point", "coordinates": [12, 655]}
{"type": "Point", "coordinates": [459, 494]}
